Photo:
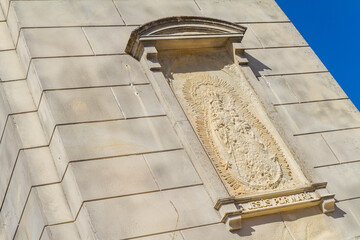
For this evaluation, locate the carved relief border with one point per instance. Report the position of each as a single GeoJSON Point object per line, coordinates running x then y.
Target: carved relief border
{"type": "Point", "coordinates": [192, 34]}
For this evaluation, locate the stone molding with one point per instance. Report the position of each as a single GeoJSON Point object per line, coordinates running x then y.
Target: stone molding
{"type": "Point", "coordinates": [195, 32]}
{"type": "Point", "coordinates": [195, 36]}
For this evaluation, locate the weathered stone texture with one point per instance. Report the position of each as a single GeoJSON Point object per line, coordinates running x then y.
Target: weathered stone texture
{"type": "Point", "coordinates": [2, 18]}
{"type": "Point", "coordinates": [113, 177]}
{"type": "Point", "coordinates": [343, 179]}
{"type": "Point", "coordinates": [52, 42]}
{"type": "Point", "coordinates": [18, 96]}
{"type": "Point", "coordinates": [114, 138]}
{"type": "Point", "coordinates": [138, 101]}
{"type": "Point", "coordinates": [90, 150]}
{"type": "Point", "coordinates": [139, 12]}
{"type": "Point", "coordinates": [5, 38]}
{"type": "Point", "coordinates": [349, 150]}
{"type": "Point", "coordinates": [172, 169]}
{"type": "Point", "coordinates": [108, 40]}
{"type": "Point", "coordinates": [62, 14]}
{"type": "Point", "coordinates": [281, 61]}
{"type": "Point", "coordinates": [80, 72]}
{"type": "Point", "coordinates": [243, 11]}
{"type": "Point", "coordinates": [287, 89]}
{"type": "Point", "coordinates": [277, 35]}
{"type": "Point", "coordinates": [13, 69]}
{"type": "Point", "coordinates": [174, 209]}
{"type": "Point", "coordinates": [321, 116]}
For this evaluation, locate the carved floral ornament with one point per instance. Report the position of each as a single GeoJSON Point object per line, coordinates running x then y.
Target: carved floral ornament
{"type": "Point", "coordinates": [201, 60]}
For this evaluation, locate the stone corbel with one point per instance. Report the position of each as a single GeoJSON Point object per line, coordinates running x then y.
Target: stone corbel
{"type": "Point", "coordinates": [258, 205]}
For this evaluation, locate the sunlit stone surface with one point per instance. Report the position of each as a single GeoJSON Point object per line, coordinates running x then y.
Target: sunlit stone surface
{"type": "Point", "coordinates": [96, 144]}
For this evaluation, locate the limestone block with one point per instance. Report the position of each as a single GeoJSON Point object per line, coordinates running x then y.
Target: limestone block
{"type": "Point", "coordinates": [54, 204]}
{"type": "Point", "coordinates": [40, 166]}
{"type": "Point", "coordinates": [121, 218]}
{"type": "Point", "coordinates": [172, 169]}
{"type": "Point", "coordinates": [283, 61]}
{"type": "Point", "coordinates": [342, 179]}
{"type": "Point", "coordinates": [46, 118]}
{"type": "Point", "coordinates": [5, 37]}
{"type": "Point", "coordinates": [30, 130]}
{"type": "Point", "coordinates": [321, 116]}
{"type": "Point", "coordinates": [32, 221]}
{"type": "Point", "coordinates": [242, 11]}
{"type": "Point", "coordinates": [345, 219]}
{"type": "Point", "coordinates": [77, 72]}
{"type": "Point", "coordinates": [140, 12]}
{"type": "Point", "coordinates": [9, 149]}
{"type": "Point", "coordinates": [19, 96]}
{"type": "Point", "coordinates": [353, 206]}
{"type": "Point", "coordinates": [314, 151]}
{"type": "Point", "coordinates": [4, 109]}
{"type": "Point", "coordinates": [302, 88]}
{"type": "Point", "coordinates": [13, 69]}
{"type": "Point", "coordinates": [278, 90]}
{"type": "Point", "coordinates": [79, 105]}
{"type": "Point", "coordinates": [58, 153]}
{"type": "Point", "coordinates": [250, 40]}
{"type": "Point", "coordinates": [84, 225]}
{"type": "Point", "coordinates": [71, 190]}
{"type": "Point", "coordinates": [151, 213]}
{"type": "Point", "coordinates": [15, 199]}
{"type": "Point", "coordinates": [2, 17]}
{"type": "Point", "coordinates": [113, 177]}
{"type": "Point", "coordinates": [265, 227]}
{"type": "Point", "coordinates": [53, 42]}
{"type": "Point", "coordinates": [114, 138]}
{"type": "Point", "coordinates": [63, 13]}
{"type": "Point", "coordinates": [212, 232]}
{"type": "Point", "coordinates": [46, 205]}
{"type": "Point", "coordinates": [310, 223]}
{"type": "Point", "coordinates": [61, 232]}
{"type": "Point", "coordinates": [4, 5]}
{"type": "Point", "coordinates": [33, 167]}
{"type": "Point", "coordinates": [108, 40]}
{"type": "Point", "coordinates": [4, 227]}
{"type": "Point", "coordinates": [344, 144]}
{"type": "Point", "coordinates": [138, 101]}
{"type": "Point", "coordinates": [165, 236]}
{"type": "Point", "coordinates": [34, 84]}
{"type": "Point", "coordinates": [201, 161]}
{"type": "Point", "coordinates": [277, 35]}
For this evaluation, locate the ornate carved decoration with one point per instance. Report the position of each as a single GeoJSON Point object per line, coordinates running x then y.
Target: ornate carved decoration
{"type": "Point", "coordinates": [241, 148]}
{"type": "Point", "coordinates": [246, 155]}
{"type": "Point", "coordinates": [200, 58]}
{"type": "Point", "coordinates": [181, 28]}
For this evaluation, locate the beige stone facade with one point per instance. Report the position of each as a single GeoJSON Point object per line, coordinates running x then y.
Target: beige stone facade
{"type": "Point", "coordinates": [101, 140]}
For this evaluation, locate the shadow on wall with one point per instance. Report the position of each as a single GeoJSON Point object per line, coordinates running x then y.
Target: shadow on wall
{"type": "Point", "coordinates": [255, 65]}
{"type": "Point", "coordinates": [309, 220]}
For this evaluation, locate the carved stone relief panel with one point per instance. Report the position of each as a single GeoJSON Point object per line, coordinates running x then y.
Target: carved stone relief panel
{"type": "Point", "coordinates": [223, 109]}
{"type": "Point", "coordinates": [201, 59]}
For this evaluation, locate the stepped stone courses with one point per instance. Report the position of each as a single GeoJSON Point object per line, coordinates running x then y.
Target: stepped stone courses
{"type": "Point", "coordinates": [94, 146]}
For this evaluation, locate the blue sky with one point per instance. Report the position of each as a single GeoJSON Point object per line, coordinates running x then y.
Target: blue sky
{"type": "Point", "coordinates": [332, 29]}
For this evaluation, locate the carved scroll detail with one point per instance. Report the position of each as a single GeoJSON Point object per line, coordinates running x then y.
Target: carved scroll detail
{"type": "Point", "coordinates": [243, 151]}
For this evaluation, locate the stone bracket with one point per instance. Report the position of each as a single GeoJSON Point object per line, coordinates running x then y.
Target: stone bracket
{"type": "Point", "coordinates": [234, 209]}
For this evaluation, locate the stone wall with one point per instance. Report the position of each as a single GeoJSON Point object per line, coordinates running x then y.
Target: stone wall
{"type": "Point", "coordinates": [88, 152]}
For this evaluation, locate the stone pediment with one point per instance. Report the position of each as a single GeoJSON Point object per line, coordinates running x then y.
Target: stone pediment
{"type": "Point", "coordinates": [199, 31]}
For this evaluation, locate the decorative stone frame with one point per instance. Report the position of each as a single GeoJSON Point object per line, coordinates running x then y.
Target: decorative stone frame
{"type": "Point", "coordinates": [191, 34]}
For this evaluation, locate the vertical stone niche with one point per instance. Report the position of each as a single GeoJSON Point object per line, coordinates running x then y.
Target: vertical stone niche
{"type": "Point", "coordinates": [197, 67]}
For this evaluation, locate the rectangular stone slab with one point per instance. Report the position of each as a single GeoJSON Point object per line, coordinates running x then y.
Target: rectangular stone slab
{"type": "Point", "coordinates": [114, 138]}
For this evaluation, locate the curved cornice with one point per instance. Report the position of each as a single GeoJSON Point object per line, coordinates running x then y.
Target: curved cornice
{"type": "Point", "coordinates": [180, 28]}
